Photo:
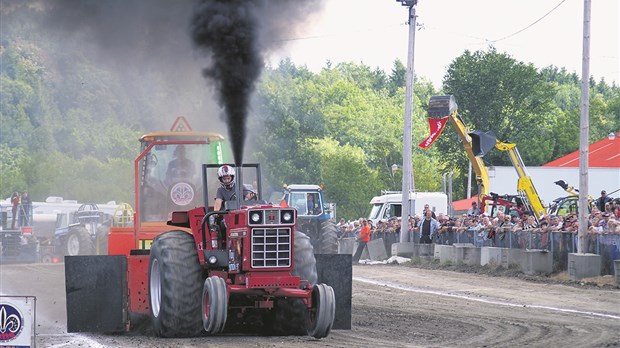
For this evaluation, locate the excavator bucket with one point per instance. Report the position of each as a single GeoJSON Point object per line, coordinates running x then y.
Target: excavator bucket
{"type": "Point", "coordinates": [441, 106]}
{"type": "Point", "coordinates": [482, 142]}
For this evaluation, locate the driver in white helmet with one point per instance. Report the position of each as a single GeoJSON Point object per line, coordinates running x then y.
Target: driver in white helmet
{"type": "Point", "coordinates": [226, 175]}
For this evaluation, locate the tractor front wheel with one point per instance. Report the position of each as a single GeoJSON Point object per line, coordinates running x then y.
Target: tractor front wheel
{"type": "Point", "coordinates": [214, 305]}
{"type": "Point", "coordinates": [78, 242]}
{"type": "Point", "coordinates": [175, 284]}
{"type": "Point", "coordinates": [323, 312]}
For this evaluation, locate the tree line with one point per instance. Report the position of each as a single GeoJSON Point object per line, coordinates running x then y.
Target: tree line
{"type": "Point", "coordinates": [69, 126]}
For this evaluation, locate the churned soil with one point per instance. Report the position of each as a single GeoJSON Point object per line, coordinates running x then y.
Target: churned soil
{"type": "Point", "coordinates": [393, 305]}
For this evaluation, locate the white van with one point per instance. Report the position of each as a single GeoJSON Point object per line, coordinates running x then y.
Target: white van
{"type": "Point", "coordinates": [390, 204]}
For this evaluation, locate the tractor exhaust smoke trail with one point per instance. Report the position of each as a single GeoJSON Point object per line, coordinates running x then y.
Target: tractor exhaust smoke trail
{"type": "Point", "coordinates": [228, 32]}
{"type": "Point", "coordinates": [234, 35]}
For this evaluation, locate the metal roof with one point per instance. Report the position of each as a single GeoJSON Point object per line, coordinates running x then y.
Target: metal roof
{"type": "Point", "coordinates": [603, 153]}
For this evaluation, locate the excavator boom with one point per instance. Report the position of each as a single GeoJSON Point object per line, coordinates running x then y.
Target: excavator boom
{"type": "Point", "coordinates": [445, 106]}
{"type": "Point", "coordinates": [484, 141]}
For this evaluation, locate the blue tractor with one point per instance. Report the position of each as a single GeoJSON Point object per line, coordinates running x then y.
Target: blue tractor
{"type": "Point", "coordinates": [314, 218]}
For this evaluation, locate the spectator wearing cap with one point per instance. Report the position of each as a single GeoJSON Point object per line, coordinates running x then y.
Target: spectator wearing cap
{"type": "Point", "coordinates": [570, 223]}
{"type": "Point", "coordinates": [602, 200]}
{"type": "Point", "coordinates": [348, 233]}
{"type": "Point", "coordinates": [342, 228]}
{"type": "Point", "coordinates": [603, 223]}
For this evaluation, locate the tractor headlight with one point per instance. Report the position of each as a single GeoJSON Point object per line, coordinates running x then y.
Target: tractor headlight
{"type": "Point", "coordinates": [212, 260]}
{"type": "Point", "coordinates": [287, 216]}
{"type": "Point", "coordinates": [256, 217]}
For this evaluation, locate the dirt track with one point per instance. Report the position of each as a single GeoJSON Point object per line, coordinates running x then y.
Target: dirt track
{"type": "Point", "coordinates": [392, 305]}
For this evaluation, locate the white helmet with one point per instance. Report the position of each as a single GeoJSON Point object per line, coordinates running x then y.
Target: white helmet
{"type": "Point", "coordinates": [226, 170]}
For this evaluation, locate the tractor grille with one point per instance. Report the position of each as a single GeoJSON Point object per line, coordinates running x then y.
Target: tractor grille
{"type": "Point", "coordinates": [271, 247]}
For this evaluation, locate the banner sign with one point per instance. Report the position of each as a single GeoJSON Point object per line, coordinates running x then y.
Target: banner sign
{"type": "Point", "coordinates": [17, 315]}
{"type": "Point", "coordinates": [436, 126]}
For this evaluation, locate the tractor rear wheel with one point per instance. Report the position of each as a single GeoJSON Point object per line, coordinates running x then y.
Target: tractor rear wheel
{"type": "Point", "coordinates": [305, 263]}
{"type": "Point", "coordinates": [175, 284]}
{"type": "Point", "coordinates": [214, 305]}
{"type": "Point", "coordinates": [78, 242]}
{"type": "Point", "coordinates": [328, 238]}
{"type": "Point", "coordinates": [323, 312]}
{"type": "Point", "coordinates": [101, 247]}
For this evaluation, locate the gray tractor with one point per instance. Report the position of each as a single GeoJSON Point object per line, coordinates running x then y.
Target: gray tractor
{"type": "Point", "coordinates": [314, 219]}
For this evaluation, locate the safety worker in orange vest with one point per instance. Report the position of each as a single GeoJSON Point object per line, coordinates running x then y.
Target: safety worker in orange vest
{"type": "Point", "coordinates": [363, 238]}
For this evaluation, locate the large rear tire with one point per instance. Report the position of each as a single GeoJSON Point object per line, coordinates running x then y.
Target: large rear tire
{"type": "Point", "coordinates": [101, 247]}
{"type": "Point", "coordinates": [175, 285]}
{"type": "Point", "coordinates": [323, 312]}
{"type": "Point", "coordinates": [328, 238]}
{"type": "Point", "coordinates": [78, 242]}
{"type": "Point", "coordinates": [214, 305]}
{"type": "Point", "coordinates": [305, 263]}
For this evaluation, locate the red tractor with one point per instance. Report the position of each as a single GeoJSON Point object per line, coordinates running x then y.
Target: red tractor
{"type": "Point", "coordinates": [238, 274]}
{"type": "Point", "coordinates": [191, 274]}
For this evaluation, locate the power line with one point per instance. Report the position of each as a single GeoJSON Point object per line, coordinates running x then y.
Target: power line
{"type": "Point", "coordinates": [531, 25]}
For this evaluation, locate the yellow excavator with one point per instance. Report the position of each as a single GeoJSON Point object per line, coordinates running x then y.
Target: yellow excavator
{"type": "Point", "coordinates": [482, 142]}
{"type": "Point", "coordinates": [445, 106]}
{"type": "Point", "coordinates": [478, 143]}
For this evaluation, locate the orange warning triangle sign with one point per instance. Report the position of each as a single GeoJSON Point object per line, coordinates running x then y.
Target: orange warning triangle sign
{"type": "Point", "coordinates": [181, 125]}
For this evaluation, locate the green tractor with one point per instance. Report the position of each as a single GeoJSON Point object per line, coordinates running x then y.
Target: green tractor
{"type": "Point", "coordinates": [314, 217]}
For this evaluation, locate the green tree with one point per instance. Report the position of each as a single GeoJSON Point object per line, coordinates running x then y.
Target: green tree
{"type": "Point", "coordinates": [11, 174]}
{"type": "Point", "coordinates": [397, 78]}
{"type": "Point", "coordinates": [497, 93]}
{"type": "Point", "coordinates": [348, 181]}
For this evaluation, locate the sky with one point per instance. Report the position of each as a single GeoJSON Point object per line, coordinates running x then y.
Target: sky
{"type": "Point", "coordinates": [541, 32]}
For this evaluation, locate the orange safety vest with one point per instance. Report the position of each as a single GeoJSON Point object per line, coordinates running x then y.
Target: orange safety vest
{"type": "Point", "coordinates": [365, 234]}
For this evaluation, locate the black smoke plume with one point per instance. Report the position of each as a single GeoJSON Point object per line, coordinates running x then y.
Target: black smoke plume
{"type": "Point", "coordinates": [146, 44]}
{"type": "Point", "coordinates": [228, 31]}
{"type": "Point", "coordinates": [234, 35]}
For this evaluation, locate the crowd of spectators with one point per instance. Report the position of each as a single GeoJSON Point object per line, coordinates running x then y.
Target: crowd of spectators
{"type": "Point", "coordinates": [489, 227]}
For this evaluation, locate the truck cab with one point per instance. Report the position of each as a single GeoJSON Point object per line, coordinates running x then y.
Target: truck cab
{"type": "Point", "coordinates": [389, 204]}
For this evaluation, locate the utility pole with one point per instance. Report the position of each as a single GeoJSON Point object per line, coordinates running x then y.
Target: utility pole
{"type": "Point", "coordinates": [408, 183]}
{"type": "Point", "coordinates": [584, 130]}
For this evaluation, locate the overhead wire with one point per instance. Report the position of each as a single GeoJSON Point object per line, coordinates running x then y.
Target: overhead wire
{"type": "Point", "coordinates": [529, 26]}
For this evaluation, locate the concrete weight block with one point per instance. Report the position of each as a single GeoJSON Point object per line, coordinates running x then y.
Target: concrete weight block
{"type": "Point", "coordinates": [376, 250]}
{"type": "Point", "coordinates": [469, 255]}
{"type": "Point", "coordinates": [583, 266]}
{"type": "Point", "coordinates": [536, 261]}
